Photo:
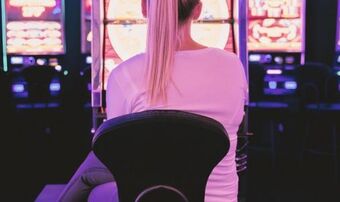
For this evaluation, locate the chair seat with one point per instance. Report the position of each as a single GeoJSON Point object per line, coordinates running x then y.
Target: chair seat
{"type": "Point", "coordinates": [50, 193]}
{"type": "Point", "coordinates": [104, 193]}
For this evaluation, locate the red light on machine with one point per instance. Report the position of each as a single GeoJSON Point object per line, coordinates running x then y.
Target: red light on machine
{"type": "Point", "coordinates": [275, 25]}
{"type": "Point", "coordinates": [88, 6]}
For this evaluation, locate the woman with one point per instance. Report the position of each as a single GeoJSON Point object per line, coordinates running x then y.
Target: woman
{"type": "Point", "coordinates": [175, 73]}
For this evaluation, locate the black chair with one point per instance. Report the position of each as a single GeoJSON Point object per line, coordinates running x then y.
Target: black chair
{"type": "Point", "coordinates": [312, 78]}
{"type": "Point", "coordinates": [316, 86]}
{"type": "Point", "coordinates": [172, 150]}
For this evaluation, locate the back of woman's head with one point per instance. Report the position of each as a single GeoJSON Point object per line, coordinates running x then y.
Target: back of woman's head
{"type": "Point", "coordinates": [164, 20]}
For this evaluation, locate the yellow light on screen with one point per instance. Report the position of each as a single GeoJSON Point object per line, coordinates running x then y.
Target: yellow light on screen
{"type": "Point", "coordinates": [89, 37]}
{"type": "Point", "coordinates": [33, 33]}
{"type": "Point", "coordinates": [34, 37]}
{"type": "Point", "coordinates": [52, 41]}
{"type": "Point", "coordinates": [22, 3]}
{"type": "Point", "coordinates": [130, 39]}
{"type": "Point", "coordinates": [214, 9]}
{"type": "Point", "coordinates": [15, 25]}
{"type": "Point", "coordinates": [33, 11]}
{"type": "Point", "coordinates": [110, 64]}
{"type": "Point", "coordinates": [52, 33]}
{"type": "Point", "coordinates": [123, 9]}
{"type": "Point", "coordinates": [211, 35]}
{"type": "Point", "coordinates": [34, 42]}
{"type": "Point", "coordinates": [16, 42]}
{"type": "Point", "coordinates": [53, 25]}
{"type": "Point", "coordinates": [16, 34]}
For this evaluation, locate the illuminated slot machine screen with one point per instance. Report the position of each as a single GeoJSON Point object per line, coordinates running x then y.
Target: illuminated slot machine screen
{"type": "Point", "coordinates": [276, 40]}
{"type": "Point", "coordinates": [124, 33]}
{"type": "Point", "coordinates": [34, 27]}
{"type": "Point", "coordinates": [275, 25]}
{"type": "Point", "coordinates": [34, 36]}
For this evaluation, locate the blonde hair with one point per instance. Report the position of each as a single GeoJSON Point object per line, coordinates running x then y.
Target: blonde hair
{"type": "Point", "coordinates": [164, 18]}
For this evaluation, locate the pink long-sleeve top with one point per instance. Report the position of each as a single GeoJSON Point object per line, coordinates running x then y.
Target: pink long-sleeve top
{"type": "Point", "coordinates": [209, 82]}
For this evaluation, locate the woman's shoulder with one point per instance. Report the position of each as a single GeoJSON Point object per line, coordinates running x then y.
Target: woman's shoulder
{"type": "Point", "coordinates": [222, 58]}
{"type": "Point", "coordinates": [134, 63]}
{"type": "Point", "coordinates": [223, 53]}
{"type": "Point", "coordinates": [129, 71]}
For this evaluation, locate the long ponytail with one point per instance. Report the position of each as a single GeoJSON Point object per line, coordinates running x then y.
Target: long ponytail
{"type": "Point", "coordinates": [161, 46]}
{"type": "Point", "coordinates": [164, 19]}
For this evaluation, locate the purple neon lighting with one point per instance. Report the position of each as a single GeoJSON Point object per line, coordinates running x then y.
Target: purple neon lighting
{"type": "Point", "coordinates": [274, 71]}
{"type": "Point", "coordinates": [17, 60]}
{"type": "Point", "coordinates": [41, 61]}
{"type": "Point", "coordinates": [58, 68]}
{"type": "Point", "coordinates": [89, 60]}
{"type": "Point", "coordinates": [55, 87]}
{"type": "Point", "coordinates": [272, 85]}
{"type": "Point", "coordinates": [278, 60]}
{"type": "Point", "coordinates": [290, 60]}
{"type": "Point", "coordinates": [255, 58]}
{"type": "Point", "coordinates": [290, 85]}
{"type": "Point", "coordinates": [18, 88]}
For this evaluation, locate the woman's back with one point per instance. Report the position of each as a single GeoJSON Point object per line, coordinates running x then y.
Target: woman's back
{"type": "Point", "coordinates": [210, 82]}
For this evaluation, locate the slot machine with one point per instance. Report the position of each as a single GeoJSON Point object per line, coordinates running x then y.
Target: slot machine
{"type": "Point", "coordinates": [119, 32]}
{"type": "Point", "coordinates": [337, 51]}
{"type": "Point", "coordinates": [86, 39]}
{"type": "Point", "coordinates": [34, 37]}
{"type": "Point", "coordinates": [276, 44]}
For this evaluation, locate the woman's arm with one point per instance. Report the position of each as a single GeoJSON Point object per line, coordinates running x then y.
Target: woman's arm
{"type": "Point", "coordinates": [117, 103]}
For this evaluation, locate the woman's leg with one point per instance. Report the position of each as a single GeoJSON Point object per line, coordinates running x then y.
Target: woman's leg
{"type": "Point", "coordinates": [90, 174]}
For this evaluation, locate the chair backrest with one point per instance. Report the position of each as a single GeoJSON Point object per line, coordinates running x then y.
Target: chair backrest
{"type": "Point", "coordinates": [161, 148]}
